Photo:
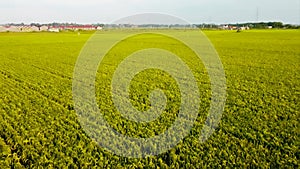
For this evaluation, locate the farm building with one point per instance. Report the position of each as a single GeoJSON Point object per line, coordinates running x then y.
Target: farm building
{"type": "Point", "coordinates": [13, 29]}
{"type": "Point", "coordinates": [29, 29]}
{"type": "Point", "coordinates": [35, 28]}
{"type": "Point", "coordinates": [77, 27]}
{"type": "Point", "coordinates": [225, 27]}
{"type": "Point", "coordinates": [99, 28]}
{"type": "Point", "coordinates": [230, 27]}
{"type": "Point", "coordinates": [83, 27]}
{"type": "Point", "coordinates": [54, 29]}
{"type": "Point", "coordinates": [244, 28]}
{"type": "Point", "coordinates": [87, 27]}
{"type": "Point", "coordinates": [44, 28]}
{"type": "Point", "coordinates": [233, 27]}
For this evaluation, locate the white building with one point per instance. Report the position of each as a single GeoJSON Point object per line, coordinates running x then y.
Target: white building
{"type": "Point", "coordinates": [44, 28]}
{"type": "Point", "coordinates": [224, 27]}
{"type": "Point", "coordinates": [25, 29]}
{"type": "Point", "coordinates": [53, 30]}
{"type": "Point", "coordinates": [244, 28]}
{"type": "Point", "coordinates": [13, 29]}
{"type": "Point", "coordinates": [34, 29]}
{"type": "Point", "coordinates": [99, 28]}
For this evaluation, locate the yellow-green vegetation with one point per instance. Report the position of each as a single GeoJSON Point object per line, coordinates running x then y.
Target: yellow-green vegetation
{"type": "Point", "coordinates": [259, 128]}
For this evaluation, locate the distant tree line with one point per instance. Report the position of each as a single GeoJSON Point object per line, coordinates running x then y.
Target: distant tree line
{"type": "Point", "coordinates": [253, 25]}
{"type": "Point", "coordinates": [263, 25]}
{"type": "Point", "coordinates": [207, 26]}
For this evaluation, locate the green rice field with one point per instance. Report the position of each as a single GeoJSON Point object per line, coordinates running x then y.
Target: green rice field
{"type": "Point", "coordinates": [39, 127]}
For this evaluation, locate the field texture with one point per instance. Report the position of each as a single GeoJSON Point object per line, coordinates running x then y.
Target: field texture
{"type": "Point", "coordinates": [259, 128]}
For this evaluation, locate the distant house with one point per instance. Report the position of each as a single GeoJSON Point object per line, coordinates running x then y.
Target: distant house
{"type": "Point", "coordinates": [29, 28]}
{"type": "Point", "coordinates": [54, 29]}
{"type": "Point", "coordinates": [233, 27]}
{"type": "Point", "coordinates": [244, 28]}
{"type": "Point", "coordinates": [228, 27]}
{"type": "Point", "coordinates": [225, 27]}
{"type": "Point", "coordinates": [13, 29]}
{"type": "Point", "coordinates": [3, 29]}
{"type": "Point", "coordinates": [84, 27]}
{"type": "Point", "coordinates": [88, 27]}
{"type": "Point", "coordinates": [76, 27]}
{"type": "Point", "coordinates": [99, 28]}
{"type": "Point", "coordinates": [24, 28]}
{"type": "Point", "coordinates": [35, 28]}
{"type": "Point", "coordinates": [44, 28]}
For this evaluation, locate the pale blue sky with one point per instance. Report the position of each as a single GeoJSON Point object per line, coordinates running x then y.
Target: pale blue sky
{"type": "Point", "coordinates": [106, 11]}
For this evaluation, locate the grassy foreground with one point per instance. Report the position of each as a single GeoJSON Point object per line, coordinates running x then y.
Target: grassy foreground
{"type": "Point", "coordinates": [259, 128]}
